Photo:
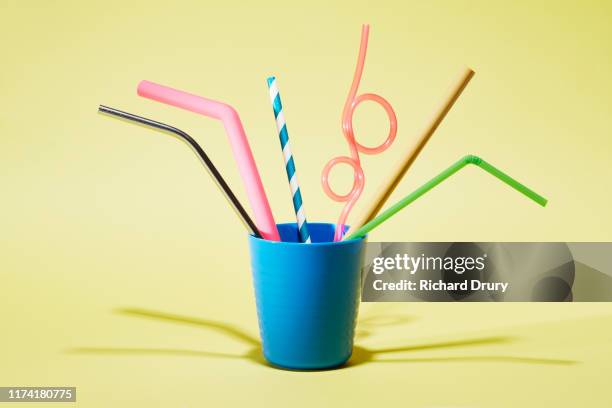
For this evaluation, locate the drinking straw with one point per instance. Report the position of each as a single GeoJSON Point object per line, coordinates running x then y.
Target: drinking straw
{"type": "Point", "coordinates": [283, 135]}
{"type": "Point", "coordinates": [212, 170]}
{"type": "Point", "coordinates": [352, 102]}
{"type": "Point", "coordinates": [395, 208]}
{"type": "Point", "coordinates": [238, 141]}
{"type": "Point", "coordinates": [376, 204]}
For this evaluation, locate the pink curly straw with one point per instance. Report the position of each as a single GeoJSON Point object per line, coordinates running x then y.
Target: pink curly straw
{"type": "Point", "coordinates": [352, 101]}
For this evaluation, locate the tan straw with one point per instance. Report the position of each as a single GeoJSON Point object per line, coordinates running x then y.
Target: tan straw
{"type": "Point", "coordinates": [381, 197]}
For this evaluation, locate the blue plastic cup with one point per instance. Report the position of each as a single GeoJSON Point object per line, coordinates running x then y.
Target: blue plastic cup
{"type": "Point", "coordinates": [307, 296]}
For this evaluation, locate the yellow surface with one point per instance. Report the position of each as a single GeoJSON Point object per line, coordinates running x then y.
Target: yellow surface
{"type": "Point", "coordinates": [117, 252]}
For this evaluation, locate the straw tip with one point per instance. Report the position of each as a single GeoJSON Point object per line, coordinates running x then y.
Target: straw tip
{"type": "Point", "coordinates": [141, 85]}
{"type": "Point", "coordinates": [271, 79]}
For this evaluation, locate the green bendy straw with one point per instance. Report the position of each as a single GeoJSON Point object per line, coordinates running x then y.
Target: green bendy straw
{"type": "Point", "coordinates": [469, 159]}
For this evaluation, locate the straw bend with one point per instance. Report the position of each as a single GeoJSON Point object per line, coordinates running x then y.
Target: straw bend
{"type": "Point", "coordinates": [238, 141]}
{"type": "Point", "coordinates": [461, 163]}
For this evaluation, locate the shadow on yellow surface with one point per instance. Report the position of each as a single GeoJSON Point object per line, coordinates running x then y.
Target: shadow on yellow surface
{"type": "Point", "coordinates": [361, 355]}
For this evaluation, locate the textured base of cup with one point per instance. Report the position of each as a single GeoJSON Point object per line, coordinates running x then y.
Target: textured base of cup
{"type": "Point", "coordinates": [308, 367]}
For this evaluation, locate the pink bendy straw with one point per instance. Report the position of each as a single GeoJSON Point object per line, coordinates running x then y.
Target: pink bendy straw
{"type": "Point", "coordinates": [238, 140]}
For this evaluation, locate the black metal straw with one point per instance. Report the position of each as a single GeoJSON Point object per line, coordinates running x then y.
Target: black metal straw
{"type": "Point", "coordinates": [212, 170]}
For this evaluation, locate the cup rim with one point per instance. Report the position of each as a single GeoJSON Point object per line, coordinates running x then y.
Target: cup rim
{"type": "Point", "coordinates": [329, 243]}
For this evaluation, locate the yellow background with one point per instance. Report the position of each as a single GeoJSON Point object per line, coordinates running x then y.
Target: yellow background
{"type": "Point", "coordinates": [99, 217]}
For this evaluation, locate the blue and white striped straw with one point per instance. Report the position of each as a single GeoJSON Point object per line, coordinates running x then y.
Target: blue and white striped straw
{"type": "Point", "coordinates": [289, 163]}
